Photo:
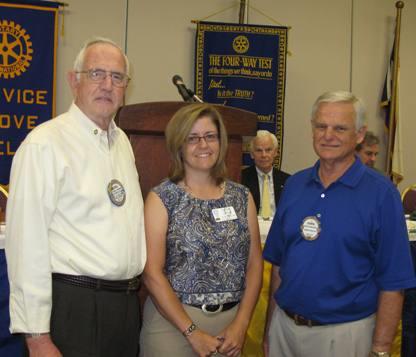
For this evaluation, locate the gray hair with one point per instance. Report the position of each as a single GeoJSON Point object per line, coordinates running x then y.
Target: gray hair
{"type": "Point", "coordinates": [370, 139]}
{"type": "Point", "coordinates": [79, 60]}
{"type": "Point", "coordinates": [264, 134]}
{"type": "Point", "coordinates": [345, 97]}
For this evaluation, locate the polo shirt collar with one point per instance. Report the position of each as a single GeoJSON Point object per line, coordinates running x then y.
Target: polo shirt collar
{"type": "Point", "coordinates": [350, 178]}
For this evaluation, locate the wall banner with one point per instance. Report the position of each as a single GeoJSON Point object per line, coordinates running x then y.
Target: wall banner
{"type": "Point", "coordinates": [244, 66]}
{"type": "Point", "coordinates": [28, 43]}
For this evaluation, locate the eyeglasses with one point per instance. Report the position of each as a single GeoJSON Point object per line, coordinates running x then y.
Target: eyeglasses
{"type": "Point", "coordinates": [209, 138]}
{"type": "Point", "coordinates": [99, 75]}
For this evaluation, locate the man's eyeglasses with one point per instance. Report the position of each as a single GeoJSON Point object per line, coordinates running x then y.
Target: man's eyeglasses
{"type": "Point", "coordinates": [99, 75]}
{"type": "Point", "coordinates": [209, 138]}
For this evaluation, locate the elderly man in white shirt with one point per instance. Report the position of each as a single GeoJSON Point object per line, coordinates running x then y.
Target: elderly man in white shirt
{"type": "Point", "coordinates": [75, 241]}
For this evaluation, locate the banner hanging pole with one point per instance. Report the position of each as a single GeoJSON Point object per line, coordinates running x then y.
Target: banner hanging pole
{"type": "Point", "coordinates": [242, 12]}
{"type": "Point", "coordinates": [393, 99]}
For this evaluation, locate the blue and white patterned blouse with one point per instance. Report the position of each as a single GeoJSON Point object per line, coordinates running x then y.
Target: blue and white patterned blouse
{"type": "Point", "coordinates": [205, 260]}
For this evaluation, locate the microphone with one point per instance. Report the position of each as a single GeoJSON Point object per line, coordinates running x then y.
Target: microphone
{"type": "Point", "coordinates": [186, 94]}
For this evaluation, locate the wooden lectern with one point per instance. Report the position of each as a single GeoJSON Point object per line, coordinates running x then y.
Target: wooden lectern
{"type": "Point", "coordinates": [145, 125]}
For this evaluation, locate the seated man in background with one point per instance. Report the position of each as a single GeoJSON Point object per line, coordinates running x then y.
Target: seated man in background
{"type": "Point", "coordinates": [263, 150]}
{"type": "Point", "coordinates": [368, 149]}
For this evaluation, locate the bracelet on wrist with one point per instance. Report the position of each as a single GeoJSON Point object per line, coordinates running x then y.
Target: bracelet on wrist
{"type": "Point", "coordinates": [379, 354]}
{"type": "Point", "coordinates": [188, 332]}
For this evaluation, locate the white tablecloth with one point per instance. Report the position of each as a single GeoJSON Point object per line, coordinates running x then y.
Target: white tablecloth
{"type": "Point", "coordinates": [411, 229]}
{"type": "Point", "coordinates": [264, 228]}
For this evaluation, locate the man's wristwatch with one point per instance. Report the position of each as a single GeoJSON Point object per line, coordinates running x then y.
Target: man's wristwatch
{"type": "Point", "coordinates": [36, 334]}
{"type": "Point", "coordinates": [379, 354]}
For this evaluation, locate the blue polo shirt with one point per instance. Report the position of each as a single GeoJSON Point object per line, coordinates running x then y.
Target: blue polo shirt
{"type": "Point", "coordinates": [362, 246]}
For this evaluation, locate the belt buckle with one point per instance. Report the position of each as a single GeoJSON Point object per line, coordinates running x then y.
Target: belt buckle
{"type": "Point", "coordinates": [301, 321]}
{"type": "Point", "coordinates": [207, 312]}
{"type": "Point", "coordinates": [132, 285]}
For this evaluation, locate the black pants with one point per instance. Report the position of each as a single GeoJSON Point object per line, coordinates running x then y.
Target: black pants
{"type": "Point", "coordinates": [94, 323]}
{"type": "Point", "coordinates": [409, 315]}
{"type": "Point", "coordinates": [409, 324]}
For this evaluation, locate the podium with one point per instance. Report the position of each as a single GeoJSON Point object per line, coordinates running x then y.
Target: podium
{"type": "Point", "coordinates": [145, 124]}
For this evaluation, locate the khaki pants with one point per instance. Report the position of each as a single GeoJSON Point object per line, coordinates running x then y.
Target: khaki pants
{"type": "Point", "coordinates": [351, 339]}
{"type": "Point", "coordinates": [159, 338]}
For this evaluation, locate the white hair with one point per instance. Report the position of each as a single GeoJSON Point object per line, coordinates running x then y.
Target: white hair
{"type": "Point", "coordinates": [264, 134]}
{"type": "Point", "coordinates": [345, 97]}
{"type": "Point", "coordinates": [79, 60]}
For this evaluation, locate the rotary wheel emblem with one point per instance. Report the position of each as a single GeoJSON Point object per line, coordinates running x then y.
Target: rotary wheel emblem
{"type": "Point", "coordinates": [15, 49]}
{"type": "Point", "coordinates": [241, 44]}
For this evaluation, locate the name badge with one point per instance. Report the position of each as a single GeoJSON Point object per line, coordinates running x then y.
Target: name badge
{"type": "Point", "coordinates": [224, 214]}
{"type": "Point", "coordinates": [116, 192]}
{"type": "Point", "coordinates": [310, 228]}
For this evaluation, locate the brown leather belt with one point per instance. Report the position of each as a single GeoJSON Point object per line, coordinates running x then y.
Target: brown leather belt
{"type": "Point", "coordinates": [128, 285]}
{"type": "Point", "coordinates": [302, 321]}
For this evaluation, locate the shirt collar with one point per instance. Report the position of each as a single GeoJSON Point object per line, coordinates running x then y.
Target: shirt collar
{"type": "Point", "coordinates": [261, 173]}
{"type": "Point", "coordinates": [93, 129]}
{"type": "Point", "coordinates": [350, 178]}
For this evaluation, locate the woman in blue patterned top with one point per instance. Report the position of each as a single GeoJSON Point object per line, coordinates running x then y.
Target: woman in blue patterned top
{"type": "Point", "coordinates": [204, 267]}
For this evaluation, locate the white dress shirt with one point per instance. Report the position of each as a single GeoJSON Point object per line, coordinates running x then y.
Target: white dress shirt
{"type": "Point", "coordinates": [60, 217]}
{"type": "Point", "coordinates": [260, 178]}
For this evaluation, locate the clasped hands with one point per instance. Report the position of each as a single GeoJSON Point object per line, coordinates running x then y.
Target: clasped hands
{"type": "Point", "coordinates": [206, 345]}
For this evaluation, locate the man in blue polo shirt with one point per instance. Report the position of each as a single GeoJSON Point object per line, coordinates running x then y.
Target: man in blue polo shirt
{"type": "Point", "coordinates": [339, 248]}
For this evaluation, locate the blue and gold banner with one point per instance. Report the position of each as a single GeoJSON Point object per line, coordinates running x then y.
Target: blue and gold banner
{"type": "Point", "coordinates": [244, 66]}
{"type": "Point", "coordinates": [28, 43]}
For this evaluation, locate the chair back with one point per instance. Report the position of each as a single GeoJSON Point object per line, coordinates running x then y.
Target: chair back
{"type": "Point", "coordinates": [3, 202]}
{"type": "Point", "coordinates": [409, 199]}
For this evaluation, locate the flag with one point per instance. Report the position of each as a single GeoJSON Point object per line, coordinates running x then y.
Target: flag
{"type": "Point", "coordinates": [392, 123]}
